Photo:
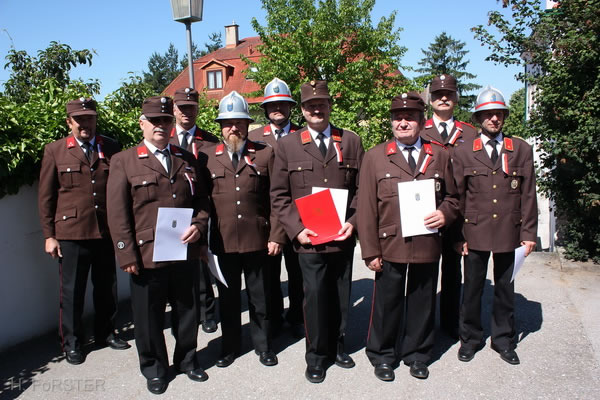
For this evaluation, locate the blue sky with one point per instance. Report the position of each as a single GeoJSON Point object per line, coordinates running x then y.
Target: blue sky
{"type": "Point", "coordinates": [125, 33]}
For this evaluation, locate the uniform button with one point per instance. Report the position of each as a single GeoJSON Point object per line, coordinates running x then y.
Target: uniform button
{"type": "Point", "coordinates": [384, 234]}
{"type": "Point", "coordinates": [495, 201]}
{"type": "Point", "coordinates": [239, 216]}
{"type": "Point", "coordinates": [475, 172]}
{"type": "Point", "coordinates": [437, 175]}
{"type": "Point", "coordinates": [387, 175]}
{"type": "Point", "coordinates": [140, 241]}
{"type": "Point", "coordinates": [93, 181]}
{"type": "Point", "coordinates": [347, 165]}
{"type": "Point", "coordinates": [494, 186]}
{"type": "Point", "coordinates": [68, 169]}
{"type": "Point", "coordinates": [325, 180]}
{"type": "Point", "coordinates": [258, 172]}
{"type": "Point", "coordinates": [94, 194]}
{"type": "Point", "coordinates": [495, 216]}
{"type": "Point", "coordinates": [214, 175]}
{"type": "Point", "coordinates": [92, 169]}
{"type": "Point", "coordinates": [466, 219]}
{"type": "Point", "coordinates": [96, 206]}
{"type": "Point", "coordinates": [299, 168]}
{"type": "Point", "coordinates": [493, 172]}
{"type": "Point", "coordinates": [64, 217]}
{"type": "Point", "coordinates": [514, 172]}
{"type": "Point", "coordinates": [174, 195]}
{"type": "Point", "coordinates": [237, 188]}
{"type": "Point", "coordinates": [238, 202]}
{"type": "Point", "coordinates": [172, 180]}
{"type": "Point", "coordinates": [237, 175]}
{"type": "Point", "coordinates": [144, 182]}
{"type": "Point", "coordinates": [324, 165]}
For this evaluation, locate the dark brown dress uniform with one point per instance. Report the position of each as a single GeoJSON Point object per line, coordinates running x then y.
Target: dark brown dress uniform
{"type": "Point", "coordinates": [137, 187]}
{"type": "Point", "coordinates": [380, 233]}
{"type": "Point", "coordinates": [499, 205]}
{"type": "Point", "coordinates": [241, 226]}
{"type": "Point", "coordinates": [205, 293]}
{"type": "Point", "coordinates": [72, 208]}
{"type": "Point", "coordinates": [295, 293]}
{"type": "Point", "coordinates": [327, 268]}
{"type": "Point", "coordinates": [451, 278]}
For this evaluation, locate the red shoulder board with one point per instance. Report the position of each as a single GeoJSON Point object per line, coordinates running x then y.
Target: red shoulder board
{"type": "Point", "coordinates": [428, 149]}
{"type": "Point", "coordinates": [336, 135]}
{"type": "Point", "coordinates": [429, 123]}
{"type": "Point", "coordinates": [267, 130]}
{"type": "Point", "coordinates": [250, 147]}
{"type": "Point", "coordinates": [219, 149]}
{"type": "Point", "coordinates": [458, 125]}
{"type": "Point", "coordinates": [172, 132]}
{"type": "Point", "coordinates": [305, 137]}
{"type": "Point", "coordinates": [142, 151]}
{"type": "Point", "coordinates": [70, 142]}
{"type": "Point", "coordinates": [391, 148]}
{"type": "Point", "coordinates": [477, 144]}
{"type": "Point", "coordinates": [508, 144]}
{"type": "Point", "coordinates": [176, 150]}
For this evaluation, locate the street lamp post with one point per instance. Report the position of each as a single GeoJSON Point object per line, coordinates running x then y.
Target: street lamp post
{"type": "Point", "coordinates": [187, 12]}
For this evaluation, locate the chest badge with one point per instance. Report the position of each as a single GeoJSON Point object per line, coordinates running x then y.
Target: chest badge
{"type": "Point", "coordinates": [514, 184]}
{"type": "Point", "coordinates": [438, 186]}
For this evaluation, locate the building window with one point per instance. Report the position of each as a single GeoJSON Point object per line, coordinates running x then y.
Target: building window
{"type": "Point", "coordinates": [215, 79]}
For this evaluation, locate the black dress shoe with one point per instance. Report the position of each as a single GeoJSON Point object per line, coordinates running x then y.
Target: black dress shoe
{"type": "Point", "coordinates": [465, 354]}
{"type": "Point", "coordinates": [116, 343]}
{"type": "Point", "coordinates": [510, 356]}
{"type": "Point", "coordinates": [385, 372]}
{"type": "Point", "coordinates": [75, 357]}
{"type": "Point", "coordinates": [225, 361]}
{"type": "Point", "coordinates": [267, 358]}
{"type": "Point", "coordinates": [196, 374]}
{"type": "Point", "coordinates": [157, 385]}
{"type": "Point", "coordinates": [344, 360]}
{"type": "Point", "coordinates": [315, 374]}
{"type": "Point", "coordinates": [419, 370]}
{"type": "Point", "coordinates": [209, 326]}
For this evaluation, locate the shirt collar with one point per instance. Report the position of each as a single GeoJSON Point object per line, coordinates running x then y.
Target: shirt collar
{"type": "Point", "coordinates": [417, 145]}
{"type": "Point", "coordinates": [180, 130]}
{"type": "Point", "coordinates": [449, 123]}
{"type": "Point", "coordinates": [80, 142]}
{"type": "Point", "coordinates": [314, 134]}
{"type": "Point", "coordinates": [286, 129]}
{"type": "Point", "coordinates": [485, 139]}
{"type": "Point", "coordinates": [153, 148]}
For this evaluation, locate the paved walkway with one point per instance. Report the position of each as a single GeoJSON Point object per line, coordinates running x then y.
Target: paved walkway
{"type": "Point", "coordinates": [557, 319]}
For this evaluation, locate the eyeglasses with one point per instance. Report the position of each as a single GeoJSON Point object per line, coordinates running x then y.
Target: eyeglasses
{"type": "Point", "coordinates": [159, 120]}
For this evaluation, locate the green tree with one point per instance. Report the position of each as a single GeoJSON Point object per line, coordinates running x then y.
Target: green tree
{"type": "Point", "coordinates": [162, 69]}
{"type": "Point", "coordinates": [446, 55]}
{"type": "Point", "coordinates": [54, 62]}
{"type": "Point", "coordinates": [562, 49]}
{"type": "Point", "coordinates": [515, 123]}
{"type": "Point", "coordinates": [334, 40]}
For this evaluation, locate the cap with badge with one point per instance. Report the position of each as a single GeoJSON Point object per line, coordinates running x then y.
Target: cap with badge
{"type": "Point", "coordinates": [408, 101]}
{"type": "Point", "coordinates": [187, 96]}
{"type": "Point", "coordinates": [81, 106]}
{"type": "Point", "coordinates": [443, 82]}
{"type": "Point", "coordinates": [314, 90]}
{"type": "Point", "coordinates": [158, 106]}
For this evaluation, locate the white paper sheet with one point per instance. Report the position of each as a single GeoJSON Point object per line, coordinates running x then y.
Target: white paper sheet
{"type": "Point", "coordinates": [213, 262]}
{"type": "Point", "coordinates": [417, 199]}
{"type": "Point", "coordinates": [519, 260]}
{"type": "Point", "coordinates": [171, 223]}
{"type": "Point", "coordinates": [340, 200]}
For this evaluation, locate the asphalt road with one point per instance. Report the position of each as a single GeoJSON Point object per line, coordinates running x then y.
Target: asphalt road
{"type": "Point", "coordinates": [557, 320]}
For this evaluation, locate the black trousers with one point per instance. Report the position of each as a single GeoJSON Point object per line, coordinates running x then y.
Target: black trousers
{"type": "Point", "coordinates": [295, 292]}
{"type": "Point", "coordinates": [327, 280]}
{"type": "Point", "coordinates": [503, 323]}
{"type": "Point", "coordinates": [451, 284]}
{"type": "Point", "coordinates": [402, 325]}
{"type": "Point", "coordinates": [150, 292]}
{"type": "Point", "coordinates": [205, 295]}
{"type": "Point", "coordinates": [79, 256]}
{"type": "Point", "coordinates": [252, 265]}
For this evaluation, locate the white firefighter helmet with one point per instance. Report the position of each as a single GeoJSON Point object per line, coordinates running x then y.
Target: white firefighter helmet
{"type": "Point", "coordinates": [277, 90]}
{"type": "Point", "coordinates": [490, 98]}
{"type": "Point", "coordinates": [233, 106]}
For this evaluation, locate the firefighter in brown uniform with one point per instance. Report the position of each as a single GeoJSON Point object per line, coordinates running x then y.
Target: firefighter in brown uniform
{"type": "Point", "coordinates": [72, 208]}
{"type": "Point", "coordinates": [243, 232]}
{"type": "Point", "coordinates": [187, 135]}
{"type": "Point", "coordinates": [496, 181]}
{"type": "Point", "coordinates": [444, 129]}
{"type": "Point", "coordinates": [399, 260]}
{"type": "Point", "coordinates": [325, 156]}
{"type": "Point", "coordinates": [278, 104]}
{"type": "Point", "coordinates": [150, 175]}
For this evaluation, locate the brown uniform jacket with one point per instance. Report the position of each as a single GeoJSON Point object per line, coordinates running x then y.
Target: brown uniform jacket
{"type": "Point", "coordinates": [241, 219]}
{"type": "Point", "coordinates": [137, 187]}
{"type": "Point", "coordinates": [299, 166]}
{"type": "Point", "coordinates": [498, 201]}
{"type": "Point", "coordinates": [379, 225]}
{"type": "Point", "coordinates": [72, 192]}
{"type": "Point", "coordinates": [264, 134]}
{"type": "Point", "coordinates": [201, 139]}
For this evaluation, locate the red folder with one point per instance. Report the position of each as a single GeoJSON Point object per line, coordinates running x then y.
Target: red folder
{"type": "Point", "coordinates": [317, 212]}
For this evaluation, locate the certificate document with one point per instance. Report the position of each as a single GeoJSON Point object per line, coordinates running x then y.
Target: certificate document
{"type": "Point", "coordinates": [417, 199]}
{"type": "Point", "coordinates": [317, 212]}
{"type": "Point", "coordinates": [340, 200]}
{"type": "Point", "coordinates": [519, 260]}
{"type": "Point", "coordinates": [171, 223]}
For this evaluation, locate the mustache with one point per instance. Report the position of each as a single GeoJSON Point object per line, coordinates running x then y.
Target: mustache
{"type": "Point", "coordinates": [157, 129]}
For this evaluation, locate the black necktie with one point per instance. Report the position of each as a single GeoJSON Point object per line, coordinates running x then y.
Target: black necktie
{"type": "Point", "coordinates": [494, 155]}
{"type": "Point", "coordinates": [184, 142]}
{"type": "Point", "coordinates": [411, 160]}
{"type": "Point", "coordinates": [322, 145]}
{"type": "Point", "coordinates": [88, 151]}
{"type": "Point", "coordinates": [444, 132]}
{"type": "Point", "coordinates": [234, 160]}
{"type": "Point", "coordinates": [278, 133]}
{"type": "Point", "coordinates": [167, 155]}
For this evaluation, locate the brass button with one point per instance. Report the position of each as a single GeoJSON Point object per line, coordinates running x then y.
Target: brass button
{"type": "Point", "coordinates": [299, 168]}
{"type": "Point", "coordinates": [514, 172]}
{"type": "Point", "coordinates": [466, 219]}
{"type": "Point", "coordinates": [325, 180]}
{"type": "Point", "coordinates": [494, 186]}
{"type": "Point", "coordinates": [495, 201]}
{"type": "Point", "coordinates": [493, 172]}
{"type": "Point", "coordinates": [495, 216]}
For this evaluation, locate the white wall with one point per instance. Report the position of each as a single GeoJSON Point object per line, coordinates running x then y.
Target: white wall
{"type": "Point", "coordinates": [29, 287]}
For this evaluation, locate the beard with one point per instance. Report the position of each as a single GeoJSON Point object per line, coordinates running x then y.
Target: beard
{"type": "Point", "coordinates": [234, 143]}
